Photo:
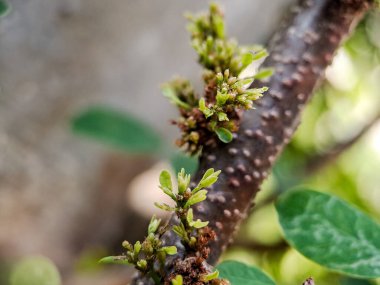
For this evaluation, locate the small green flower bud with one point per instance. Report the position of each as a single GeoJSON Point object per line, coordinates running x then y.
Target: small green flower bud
{"type": "Point", "coordinates": [126, 244]}
{"type": "Point", "coordinates": [142, 264]}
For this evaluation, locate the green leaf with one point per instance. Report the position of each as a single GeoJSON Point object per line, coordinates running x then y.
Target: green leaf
{"type": "Point", "coordinates": [221, 98]}
{"type": "Point", "coordinates": [142, 264]}
{"type": "Point", "coordinates": [36, 270]}
{"type": "Point", "coordinates": [210, 276]}
{"type": "Point", "coordinates": [4, 8]}
{"type": "Point", "coordinates": [168, 192]}
{"type": "Point", "coordinates": [164, 207]}
{"type": "Point", "coordinates": [209, 178]}
{"type": "Point", "coordinates": [118, 129]}
{"type": "Point", "coordinates": [208, 173]}
{"type": "Point", "coordinates": [189, 216]}
{"type": "Point", "coordinates": [260, 54]}
{"type": "Point", "coordinates": [137, 247]}
{"type": "Point", "coordinates": [170, 250]}
{"type": "Point", "coordinates": [246, 59]}
{"type": "Point", "coordinates": [331, 232]}
{"type": "Point", "coordinates": [114, 260]}
{"type": "Point", "coordinates": [181, 231]}
{"type": "Point", "coordinates": [180, 160]}
{"type": "Point", "coordinates": [198, 224]}
{"type": "Point", "coordinates": [202, 107]}
{"type": "Point", "coordinates": [218, 26]}
{"type": "Point", "coordinates": [222, 116]}
{"type": "Point", "coordinates": [183, 181]}
{"type": "Point", "coordinates": [170, 93]}
{"type": "Point", "coordinates": [196, 198]}
{"type": "Point", "coordinates": [224, 135]}
{"type": "Point", "coordinates": [165, 180]}
{"type": "Point", "coordinates": [264, 73]}
{"type": "Point", "coordinates": [241, 274]}
{"type": "Point", "coordinates": [153, 225]}
{"type": "Point", "coordinates": [178, 280]}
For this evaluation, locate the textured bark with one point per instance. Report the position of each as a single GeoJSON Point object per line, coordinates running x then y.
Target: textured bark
{"type": "Point", "coordinates": [300, 52]}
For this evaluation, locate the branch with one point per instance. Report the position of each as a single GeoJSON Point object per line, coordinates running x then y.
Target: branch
{"type": "Point", "coordinates": [300, 52]}
{"type": "Point", "coordinates": [319, 161]}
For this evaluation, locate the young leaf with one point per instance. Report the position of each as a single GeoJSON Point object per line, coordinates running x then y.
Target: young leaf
{"type": "Point", "coordinates": [202, 107]}
{"type": "Point", "coordinates": [221, 98]}
{"type": "Point", "coordinates": [137, 248]}
{"type": "Point", "coordinates": [241, 274]}
{"type": "Point", "coordinates": [246, 59]}
{"type": "Point", "coordinates": [114, 260]}
{"type": "Point", "coordinates": [181, 232]}
{"type": "Point", "coordinates": [208, 173]}
{"type": "Point", "coordinates": [164, 207]}
{"type": "Point", "coordinates": [165, 180]}
{"type": "Point", "coordinates": [331, 232]}
{"type": "Point", "coordinates": [222, 116]}
{"type": "Point", "coordinates": [211, 276]}
{"type": "Point", "coordinates": [190, 216]}
{"type": "Point", "coordinates": [168, 192]}
{"type": "Point", "coordinates": [224, 135]}
{"type": "Point", "coordinates": [170, 250]}
{"type": "Point", "coordinates": [260, 54]}
{"type": "Point", "coordinates": [178, 280]}
{"type": "Point", "coordinates": [209, 180]}
{"type": "Point", "coordinates": [153, 225]}
{"type": "Point", "coordinates": [142, 264]}
{"type": "Point", "coordinates": [196, 198]}
{"type": "Point", "coordinates": [198, 224]}
{"type": "Point", "coordinates": [118, 129]}
{"type": "Point", "coordinates": [183, 181]}
{"type": "Point", "coordinates": [264, 73]}
{"type": "Point", "coordinates": [169, 93]}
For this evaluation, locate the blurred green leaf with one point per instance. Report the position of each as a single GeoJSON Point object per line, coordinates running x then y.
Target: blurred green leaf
{"type": "Point", "coordinates": [171, 94]}
{"type": "Point", "coordinates": [241, 274]}
{"type": "Point", "coordinates": [353, 281]}
{"type": "Point", "coordinates": [246, 59]}
{"type": "Point", "coordinates": [118, 129]}
{"type": "Point", "coordinates": [264, 73]}
{"type": "Point", "coordinates": [224, 135]}
{"type": "Point", "coordinates": [211, 276]}
{"type": "Point", "coordinates": [180, 160]}
{"type": "Point", "coordinates": [36, 270]}
{"type": "Point", "coordinates": [331, 232]}
{"type": "Point", "coordinates": [170, 250]}
{"type": "Point", "coordinates": [114, 260]}
{"type": "Point", "coordinates": [166, 180]}
{"type": "Point", "coordinates": [178, 280]}
{"type": "Point", "coordinates": [260, 54]}
{"type": "Point", "coordinates": [4, 8]}
{"type": "Point", "coordinates": [196, 198]}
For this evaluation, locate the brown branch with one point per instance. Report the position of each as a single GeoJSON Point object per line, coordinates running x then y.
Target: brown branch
{"type": "Point", "coordinates": [300, 52]}
{"type": "Point", "coordinates": [322, 160]}
{"type": "Point", "coordinates": [258, 247]}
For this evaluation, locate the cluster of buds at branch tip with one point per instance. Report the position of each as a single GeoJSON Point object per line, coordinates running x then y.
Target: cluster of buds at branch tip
{"type": "Point", "coordinates": [149, 256]}
{"type": "Point", "coordinates": [215, 116]}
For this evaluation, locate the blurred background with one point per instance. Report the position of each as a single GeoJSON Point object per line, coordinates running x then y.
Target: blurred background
{"type": "Point", "coordinates": [71, 191]}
